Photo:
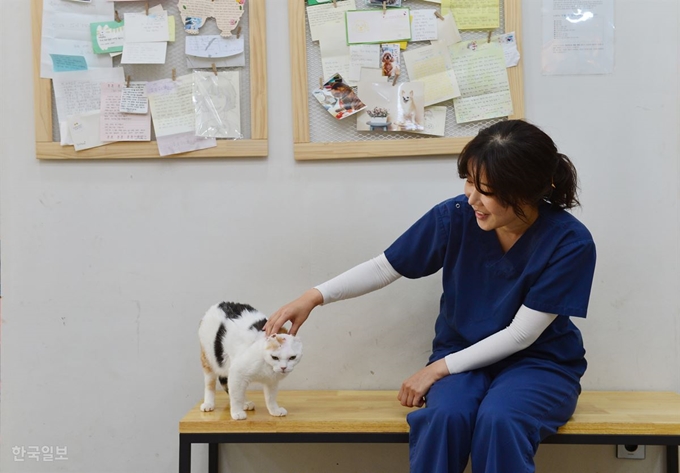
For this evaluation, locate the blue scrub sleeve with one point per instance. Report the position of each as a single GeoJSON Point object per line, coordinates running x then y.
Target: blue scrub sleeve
{"type": "Point", "coordinates": [564, 285]}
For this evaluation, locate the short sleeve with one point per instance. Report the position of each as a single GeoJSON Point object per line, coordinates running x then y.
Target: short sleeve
{"type": "Point", "coordinates": [564, 285]}
{"type": "Point", "coordinates": [420, 251]}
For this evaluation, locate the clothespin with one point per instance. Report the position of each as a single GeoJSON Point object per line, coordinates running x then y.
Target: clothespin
{"type": "Point", "coordinates": [214, 68]}
{"type": "Point", "coordinates": [320, 82]}
{"type": "Point", "coordinates": [147, 8]}
{"type": "Point", "coordinates": [116, 18]}
{"type": "Point", "coordinates": [396, 76]}
{"type": "Point", "coordinates": [438, 15]}
{"type": "Point", "coordinates": [238, 32]}
{"type": "Point", "coordinates": [174, 74]}
{"type": "Point", "coordinates": [384, 7]}
{"type": "Point", "coordinates": [335, 3]}
{"type": "Point", "coordinates": [488, 39]}
{"type": "Point", "coordinates": [127, 81]}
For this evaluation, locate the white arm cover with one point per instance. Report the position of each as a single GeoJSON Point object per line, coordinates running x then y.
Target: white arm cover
{"type": "Point", "coordinates": [374, 274]}
{"type": "Point", "coordinates": [524, 330]}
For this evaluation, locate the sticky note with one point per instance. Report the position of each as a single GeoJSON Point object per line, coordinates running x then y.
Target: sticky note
{"type": "Point", "coordinates": [65, 63]}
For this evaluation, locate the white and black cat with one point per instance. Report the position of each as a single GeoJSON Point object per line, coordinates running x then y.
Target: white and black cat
{"type": "Point", "coordinates": [236, 350]}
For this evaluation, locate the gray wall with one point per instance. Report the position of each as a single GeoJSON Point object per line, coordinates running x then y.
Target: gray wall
{"type": "Point", "coordinates": [108, 266]}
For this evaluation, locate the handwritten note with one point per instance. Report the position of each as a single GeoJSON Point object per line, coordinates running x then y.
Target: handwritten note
{"type": "Point", "coordinates": [213, 46]}
{"type": "Point", "coordinates": [374, 26]}
{"type": "Point", "coordinates": [107, 37]}
{"type": "Point", "coordinates": [133, 99]}
{"type": "Point", "coordinates": [143, 28]}
{"type": "Point", "coordinates": [172, 105]}
{"type": "Point", "coordinates": [435, 121]}
{"type": "Point", "coordinates": [423, 25]}
{"type": "Point", "coordinates": [474, 14]}
{"type": "Point", "coordinates": [217, 104]}
{"type": "Point", "coordinates": [64, 63]}
{"type": "Point", "coordinates": [447, 31]}
{"type": "Point", "coordinates": [117, 126]}
{"type": "Point", "coordinates": [334, 52]}
{"type": "Point", "coordinates": [144, 53]}
{"type": "Point", "coordinates": [432, 65]}
{"type": "Point", "coordinates": [362, 56]}
{"type": "Point", "coordinates": [483, 79]}
{"type": "Point", "coordinates": [321, 16]}
{"type": "Point", "coordinates": [84, 130]}
{"type": "Point", "coordinates": [183, 143]}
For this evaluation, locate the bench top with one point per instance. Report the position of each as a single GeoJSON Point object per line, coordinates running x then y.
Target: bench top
{"type": "Point", "coordinates": [597, 413]}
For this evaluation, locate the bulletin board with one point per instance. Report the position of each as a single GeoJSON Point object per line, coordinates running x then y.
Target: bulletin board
{"type": "Point", "coordinates": [319, 136]}
{"type": "Point", "coordinates": [253, 93]}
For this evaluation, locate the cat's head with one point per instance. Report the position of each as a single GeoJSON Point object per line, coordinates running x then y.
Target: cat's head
{"type": "Point", "coordinates": [282, 352]}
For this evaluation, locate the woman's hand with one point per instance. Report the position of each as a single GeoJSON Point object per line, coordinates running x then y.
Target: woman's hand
{"type": "Point", "coordinates": [413, 390]}
{"type": "Point", "coordinates": [296, 311]}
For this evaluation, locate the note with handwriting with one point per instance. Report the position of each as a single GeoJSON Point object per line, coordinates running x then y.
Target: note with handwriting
{"type": "Point", "coordinates": [334, 52]}
{"type": "Point", "coordinates": [483, 79]}
{"type": "Point", "coordinates": [133, 99]}
{"type": "Point", "coordinates": [84, 130]}
{"type": "Point", "coordinates": [321, 16]}
{"type": "Point", "coordinates": [435, 121]}
{"type": "Point", "coordinates": [117, 126]}
{"type": "Point", "coordinates": [65, 63]}
{"type": "Point", "coordinates": [423, 25]}
{"type": "Point", "coordinates": [447, 31]}
{"type": "Point", "coordinates": [374, 26]}
{"type": "Point", "coordinates": [143, 28]}
{"type": "Point", "coordinates": [213, 46]}
{"type": "Point", "coordinates": [183, 143]}
{"type": "Point", "coordinates": [432, 65]}
{"type": "Point", "coordinates": [144, 53]}
{"type": "Point", "coordinates": [107, 37]}
{"type": "Point", "coordinates": [474, 14]}
{"type": "Point", "coordinates": [362, 56]}
{"type": "Point", "coordinates": [172, 105]}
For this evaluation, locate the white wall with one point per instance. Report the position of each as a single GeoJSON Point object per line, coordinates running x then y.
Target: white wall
{"type": "Point", "coordinates": [108, 266]}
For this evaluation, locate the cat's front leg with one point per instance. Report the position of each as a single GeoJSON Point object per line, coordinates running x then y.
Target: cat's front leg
{"type": "Point", "coordinates": [237, 398]}
{"type": "Point", "coordinates": [209, 392]}
{"type": "Point", "coordinates": [270, 392]}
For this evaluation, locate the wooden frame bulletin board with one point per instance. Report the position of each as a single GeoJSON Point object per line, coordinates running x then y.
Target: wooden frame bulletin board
{"type": "Point", "coordinates": [305, 149]}
{"type": "Point", "coordinates": [255, 146]}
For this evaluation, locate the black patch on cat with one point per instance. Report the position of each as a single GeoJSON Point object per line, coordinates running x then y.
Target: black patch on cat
{"type": "Point", "coordinates": [219, 349]}
{"type": "Point", "coordinates": [234, 310]}
{"type": "Point", "coordinates": [223, 382]}
{"type": "Point", "coordinates": [259, 325]}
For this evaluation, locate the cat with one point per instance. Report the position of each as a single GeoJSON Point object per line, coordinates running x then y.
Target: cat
{"type": "Point", "coordinates": [235, 349]}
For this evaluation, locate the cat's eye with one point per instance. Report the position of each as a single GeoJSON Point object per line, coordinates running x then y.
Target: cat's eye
{"type": "Point", "coordinates": [292, 357]}
{"type": "Point", "coordinates": [275, 358]}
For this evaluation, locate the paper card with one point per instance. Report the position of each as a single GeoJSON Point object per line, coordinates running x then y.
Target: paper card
{"type": "Point", "coordinates": [447, 31]}
{"type": "Point", "coordinates": [183, 143]}
{"type": "Point", "coordinates": [423, 25]}
{"type": "Point", "coordinates": [391, 107]}
{"type": "Point", "coordinates": [374, 26]}
{"type": "Point", "coordinates": [64, 63]}
{"type": "Point", "coordinates": [362, 56]}
{"type": "Point", "coordinates": [334, 52]}
{"type": "Point", "coordinates": [338, 98]}
{"type": "Point", "coordinates": [213, 46]}
{"type": "Point", "coordinates": [66, 31]}
{"type": "Point", "coordinates": [320, 17]}
{"type": "Point", "coordinates": [107, 37]}
{"type": "Point", "coordinates": [483, 79]}
{"type": "Point", "coordinates": [117, 126]}
{"type": "Point", "coordinates": [388, 3]}
{"type": "Point", "coordinates": [84, 130]}
{"type": "Point", "coordinates": [435, 121]}
{"type": "Point", "coordinates": [217, 104]}
{"type": "Point", "coordinates": [133, 99]}
{"type": "Point", "coordinates": [171, 21]}
{"type": "Point", "coordinates": [144, 53]}
{"type": "Point", "coordinates": [432, 65]}
{"type": "Point", "coordinates": [474, 14]}
{"type": "Point", "coordinates": [238, 60]}
{"type": "Point", "coordinates": [143, 28]}
{"type": "Point", "coordinates": [509, 44]}
{"type": "Point", "coordinates": [172, 106]}
{"type": "Point", "coordinates": [390, 59]}
{"type": "Point", "coordinates": [79, 92]}
{"type": "Point", "coordinates": [194, 14]}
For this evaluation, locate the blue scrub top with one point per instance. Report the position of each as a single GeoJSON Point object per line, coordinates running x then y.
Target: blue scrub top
{"type": "Point", "coordinates": [549, 269]}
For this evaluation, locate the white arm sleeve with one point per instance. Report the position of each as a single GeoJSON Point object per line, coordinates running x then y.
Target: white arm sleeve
{"type": "Point", "coordinates": [374, 274]}
{"type": "Point", "coordinates": [524, 330]}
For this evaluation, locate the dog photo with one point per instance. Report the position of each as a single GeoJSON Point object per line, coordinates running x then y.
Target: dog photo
{"type": "Point", "coordinates": [338, 98]}
{"type": "Point", "coordinates": [389, 59]}
{"type": "Point", "coordinates": [391, 107]}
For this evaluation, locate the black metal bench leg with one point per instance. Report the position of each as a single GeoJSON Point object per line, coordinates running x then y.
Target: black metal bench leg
{"type": "Point", "coordinates": [184, 454]}
{"type": "Point", "coordinates": [213, 457]}
{"type": "Point", "coordinates": [672, 459]}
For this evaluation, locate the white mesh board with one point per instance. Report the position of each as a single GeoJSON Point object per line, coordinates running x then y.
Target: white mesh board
{"type": "Point", "coordinates": [176, 59]}
{"type": "Point", "coordinates": [325, 128]}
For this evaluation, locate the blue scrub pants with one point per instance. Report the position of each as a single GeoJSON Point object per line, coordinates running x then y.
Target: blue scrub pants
{"type": "Point", "coordinates": [496, 415]}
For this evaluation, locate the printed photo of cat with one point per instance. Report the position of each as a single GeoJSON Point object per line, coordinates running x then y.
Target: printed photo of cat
{"type": "Point", "coordinates": [235, 350]}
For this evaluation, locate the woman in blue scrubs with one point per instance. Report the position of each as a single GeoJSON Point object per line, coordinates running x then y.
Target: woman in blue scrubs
{"type": "Point", "coordinates": [506, 359]}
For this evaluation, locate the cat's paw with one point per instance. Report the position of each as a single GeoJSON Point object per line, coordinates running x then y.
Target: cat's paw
{"type": "Point", "coordinates": [238, 415]}
{"type": "Point", "coordinates": [208, 406]}
{"type": "Point", "coordinates": [278, 412]}
{"type": "Point", "coordinates": [249, 406]}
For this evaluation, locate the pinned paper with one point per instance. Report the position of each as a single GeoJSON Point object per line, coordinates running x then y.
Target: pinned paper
{"type": "Point", "coordinates": [84, 130]}
{"type": "Point", "coordinates": [338, 98]}
{"type": "Point", "coordinates": [144, 53]}
{"type": "Point", "coordinates": [334, 51]}
{"type": "Point", "coordinates": [213, 46]}
{"type": "Point", "coordinates": [362, 56]}
{"type": "Point", "coordinates": [435, 121]}
{"type": "Point", "coordinates": [447, 31]}
{"type": "Point", "coordinates": [322, 16]}
{"type": "Point", "coordinates": [107, 37]}
{"type": "Point", "coordinates": [117, 126]}
{"type": "Point", "coordinates": [226, 13]}
{"type": "Point", "coordinates": [423, 25]}
{"type": "Point", "coordinates": [133, 99]}
{"type": "Point", "coordinates": [143, 28]}
{"type": "Point", "coordinates": [474, 15]}
{"type": "Point", "coordinates": [64, 63]}
{"type": "Point", "coordinates": [391, 108]}
{"type": "Point", "coordinates": [432, 66]}
{"type": "Point", "coordinates": [193, 62]}
{"type": "Point", "coordinates": [374, 26]}
{"type": "Point", "coordinates": [508, 42]}
{"type": "Point", "coordinates": [217, 104]}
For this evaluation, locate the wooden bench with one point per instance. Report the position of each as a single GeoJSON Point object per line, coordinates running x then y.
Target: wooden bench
{"type": "Point", "coordinates": [601, 417]}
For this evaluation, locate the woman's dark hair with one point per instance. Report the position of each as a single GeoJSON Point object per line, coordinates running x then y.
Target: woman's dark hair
{"type": "Point", "coordinates": [517, 163]}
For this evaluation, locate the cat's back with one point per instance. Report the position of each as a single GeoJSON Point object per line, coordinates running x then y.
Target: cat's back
{"type": "Point", "coordinates": [231, 326]}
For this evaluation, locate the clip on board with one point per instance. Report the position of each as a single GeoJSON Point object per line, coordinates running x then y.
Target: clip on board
{"type": "Point", "coordinates": [253, 106]}
{"type": "Point", "coordinates": [315, 139]}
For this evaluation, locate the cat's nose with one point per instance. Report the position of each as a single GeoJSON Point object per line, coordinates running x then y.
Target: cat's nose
{"type": "Point", "coordinates": [283, 369]}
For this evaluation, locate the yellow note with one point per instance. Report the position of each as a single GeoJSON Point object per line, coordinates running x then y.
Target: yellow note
{"type": "Point", "coordinates": [474, 14]}
{"type": "Point", "coordinates": [171, 27]}
{"type": "Point", "coordinates": [403, 44]}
